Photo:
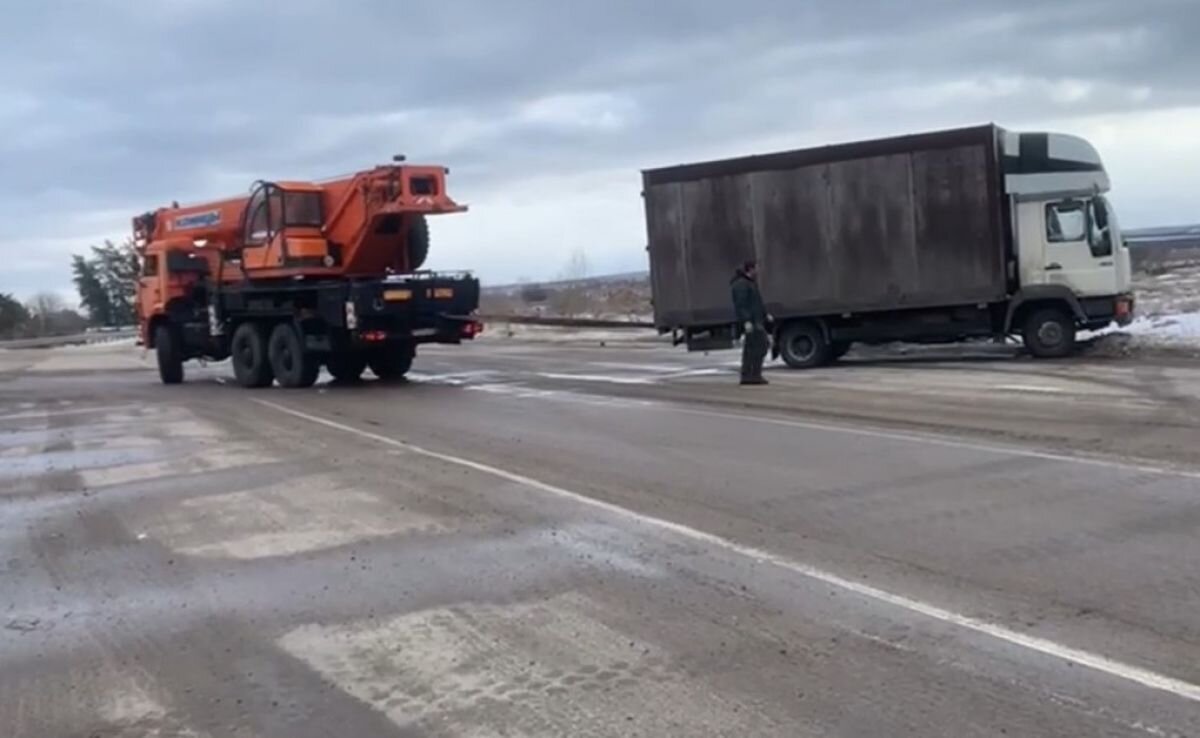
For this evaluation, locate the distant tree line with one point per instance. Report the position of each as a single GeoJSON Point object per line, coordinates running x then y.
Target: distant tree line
{"type": "Point", "coordinates": [44, 314]}
{"type": "Point", "coordinates": [572, 295]}
{"type": "Point", "coordinates": [106, 280]}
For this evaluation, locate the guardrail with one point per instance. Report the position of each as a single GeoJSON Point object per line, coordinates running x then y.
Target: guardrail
{"type": "Point", "coordinates": [548, 321]}
{"type": "Point", "coordinates": [566, 322]}
{"type": "Point", "coordinates": [74, 338]}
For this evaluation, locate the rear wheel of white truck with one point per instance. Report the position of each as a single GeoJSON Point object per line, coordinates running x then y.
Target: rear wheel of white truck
{"type": "Point", "coordinates": [1049, 333]}
{"type": "Point", "coordinates": [293, 366]}
{"type": "Point", "coordinates": [803, 346]}
{"type": "Point", "coordinates": [169, 354]}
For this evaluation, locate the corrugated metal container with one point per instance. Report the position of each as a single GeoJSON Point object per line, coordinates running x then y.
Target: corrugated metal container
{"type": "Point", "coordinates": [876, 225]}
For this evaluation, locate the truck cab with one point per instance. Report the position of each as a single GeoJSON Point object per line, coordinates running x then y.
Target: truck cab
{"type": "Point", "coordinates": [1067, 239]}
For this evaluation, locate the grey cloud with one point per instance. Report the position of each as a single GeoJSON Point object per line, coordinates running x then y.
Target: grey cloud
{"type": "Point", "coordinates": [126, 105]}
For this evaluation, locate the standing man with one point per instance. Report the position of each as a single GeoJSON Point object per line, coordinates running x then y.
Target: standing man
{"type": "Point", "coordinates": [752, 317]}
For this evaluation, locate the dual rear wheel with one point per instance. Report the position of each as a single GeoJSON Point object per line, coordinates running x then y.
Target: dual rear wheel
{"type": "Point", "coordinates": [248, 354]}
{"type": "Point", "coordinates": [389, 364]}
{"type": "Point", "coordinates": [261, 357]}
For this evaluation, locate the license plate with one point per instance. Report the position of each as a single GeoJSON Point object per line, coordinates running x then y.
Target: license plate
{"type": "Point", "coordinates": [397, 295]}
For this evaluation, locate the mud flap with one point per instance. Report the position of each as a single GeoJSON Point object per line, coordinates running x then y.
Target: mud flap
{"type": "Point", "coordinates": [710, 339]}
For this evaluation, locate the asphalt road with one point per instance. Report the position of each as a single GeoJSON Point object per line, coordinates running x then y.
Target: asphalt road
{"type": "Point", "coordinates": [564, 538]}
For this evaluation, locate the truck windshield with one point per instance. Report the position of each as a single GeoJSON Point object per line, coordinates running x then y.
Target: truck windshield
{"type": "Point", "coordinates": [302, 209]}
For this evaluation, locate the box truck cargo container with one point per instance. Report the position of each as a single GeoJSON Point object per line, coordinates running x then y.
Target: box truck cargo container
{"type": "Point", "coordinates": [936, 237]}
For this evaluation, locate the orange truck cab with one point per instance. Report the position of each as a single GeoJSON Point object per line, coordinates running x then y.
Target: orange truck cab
{"type": "Point", "coordinates": [297, 276]}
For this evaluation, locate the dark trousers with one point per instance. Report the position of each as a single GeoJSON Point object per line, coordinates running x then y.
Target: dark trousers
{"type": "Point", "coordinates": [754, 352]}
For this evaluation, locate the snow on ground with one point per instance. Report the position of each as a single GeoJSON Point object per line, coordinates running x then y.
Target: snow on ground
{"type": "Point", "coordinates": [1174, 327]}
{"type": "Point", "coordinates": [1171, 293]}
{"type": "Point", "coordinates": [1167, 316]}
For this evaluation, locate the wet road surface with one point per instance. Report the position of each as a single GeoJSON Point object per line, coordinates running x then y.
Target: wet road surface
{"type": "Point", "coordinates": [542, 539]}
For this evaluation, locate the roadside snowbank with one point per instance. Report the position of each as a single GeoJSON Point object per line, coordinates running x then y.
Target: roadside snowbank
{"type": "Point", "coordinates": [1171, 334]}
{"type": "Point", "coordinates": [1178, 327]}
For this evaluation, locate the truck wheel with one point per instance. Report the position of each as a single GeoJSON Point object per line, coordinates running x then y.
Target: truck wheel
{"type": "Point", "coordinates": [293, 366]}
{"type": "Point", "coordinates": [803, 346]}
{"type": "Point", "coordinates": [393, 362]}
{"type": "Point", "coordinates": [346, 367]}
{"type": "Point", "coordinates": [169, 354]}
{"type": "Point", "coordinates": [1049, 333]}
{"type": "Point", "coordinates": [248, 352]}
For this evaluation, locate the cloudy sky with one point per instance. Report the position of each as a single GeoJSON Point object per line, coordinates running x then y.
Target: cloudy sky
{"type": "Point", "coordinates": [546, 111]}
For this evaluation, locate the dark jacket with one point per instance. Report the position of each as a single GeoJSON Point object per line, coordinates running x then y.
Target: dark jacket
{"type": "Point", "coordinates": [747, 301]}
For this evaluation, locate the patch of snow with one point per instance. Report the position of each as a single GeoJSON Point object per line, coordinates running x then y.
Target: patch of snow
{"type": "Point", "coordinates": [1179, 327]}
{"type": "Point", "coordinates": [597, 378]}
{"type": "Point", "coordinates": [1172, 332]}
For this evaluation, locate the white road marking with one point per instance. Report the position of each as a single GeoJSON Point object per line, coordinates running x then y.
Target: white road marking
{"type": "Point", "coordinates": [454, 378]}
{"type": "Point", "coordinates": [596, 378]}
{"type": "Point", "coordinates": [1097, 662]}
{"type": "Point", "coordinates": [639, 367]}
{"type": "Point", "coordinates": [524, 392]}
{"type": "Point", "coordinates": [39, 414]}
{"type": "Point", "coordinates": [260, 523]}
{"type": "Point", "coordinates": [515, 664]}
{"type": "Point", "coordinates": [653, 378]}
{"type": "Point", "coordinates": [700, 372]}
{"type": "Point", "coordinates": [1031, 388]}
{"type": "Point", "coordinates": [1128, 464]}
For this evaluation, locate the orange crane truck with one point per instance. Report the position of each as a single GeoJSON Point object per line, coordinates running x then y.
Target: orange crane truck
{"type": "Point", "coordinates": [300, 275]}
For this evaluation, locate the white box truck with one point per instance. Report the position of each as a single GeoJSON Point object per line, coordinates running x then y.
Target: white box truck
{"type": "Point", "coordinates": [936, 237]}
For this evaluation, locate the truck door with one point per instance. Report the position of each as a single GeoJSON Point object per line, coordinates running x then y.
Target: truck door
{"type": "Point", "coordinates": [150, 292]}
{"type": "Point", "coordinates": [1079, 246]}
{"type": "Point", "coordinates": [261, 222]}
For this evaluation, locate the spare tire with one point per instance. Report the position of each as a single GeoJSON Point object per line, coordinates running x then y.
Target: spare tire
{"type": "Point", "coordinates": [417, 242]}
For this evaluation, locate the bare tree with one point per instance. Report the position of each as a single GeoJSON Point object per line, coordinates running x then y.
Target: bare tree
{"type": "Point", "coordinates": [571, 299]}
{"type": "Point", "coordinates": [46, 303]}
{"type": "Point", "coordinates": [42, 307]}
{"type": "Point", "coordinates": [576, 267]}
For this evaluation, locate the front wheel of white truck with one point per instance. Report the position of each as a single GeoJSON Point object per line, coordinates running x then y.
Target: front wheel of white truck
{"type": "Point", "coordinates": [1049, 333]}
